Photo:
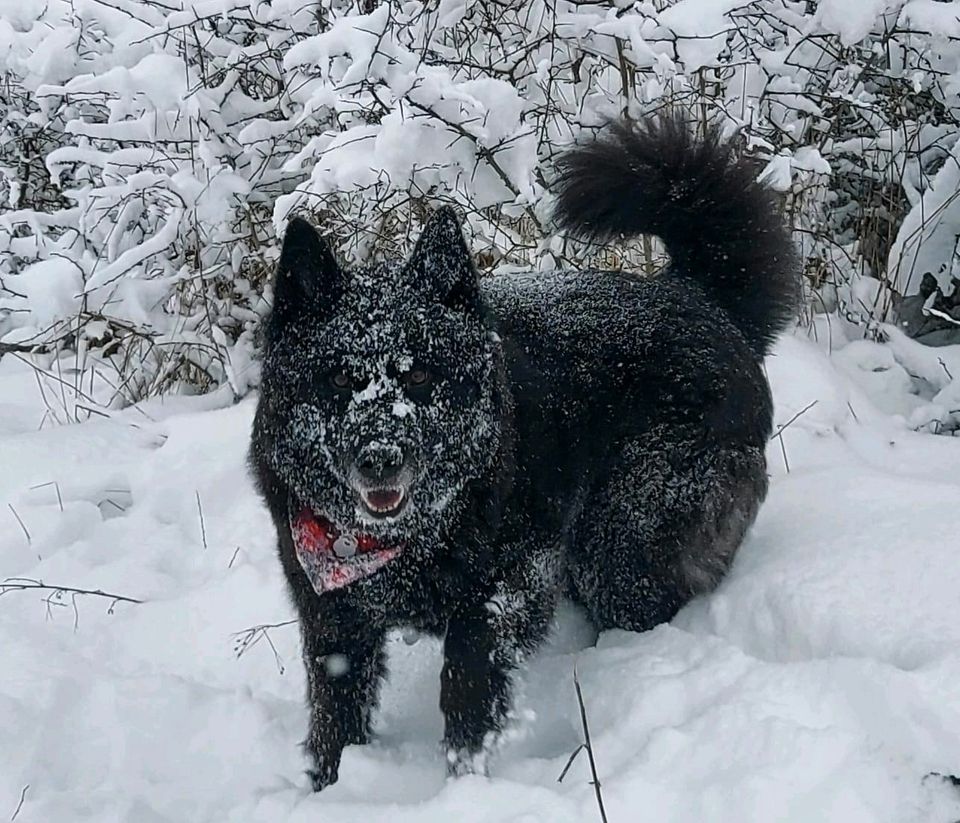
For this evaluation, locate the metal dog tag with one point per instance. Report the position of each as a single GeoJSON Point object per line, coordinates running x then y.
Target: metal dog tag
{"type": "Point", "coordinates": [345, 546]}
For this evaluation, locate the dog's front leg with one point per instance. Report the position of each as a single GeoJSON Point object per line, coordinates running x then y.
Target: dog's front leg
{"type": "Point", "coordinates": [483, 646]}
{"type": "Point", "coordinates": [343, 680]}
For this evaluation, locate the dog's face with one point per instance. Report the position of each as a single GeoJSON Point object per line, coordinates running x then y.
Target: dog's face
{"type": "Point", "coordinates": [380, 390]}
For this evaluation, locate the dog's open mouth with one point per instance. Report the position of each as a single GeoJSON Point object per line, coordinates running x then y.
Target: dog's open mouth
{"type": "Point", "coordinates": [331, 559]}
{"type": "Point", "coordinates": [385, 502]}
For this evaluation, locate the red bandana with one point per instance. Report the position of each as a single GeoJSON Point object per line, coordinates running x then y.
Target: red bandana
{"type": "Point", "coordinates": [332, 560]}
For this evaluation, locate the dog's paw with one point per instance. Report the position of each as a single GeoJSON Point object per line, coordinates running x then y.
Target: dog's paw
{"type": "Point", "coordinates": [321, 778]}
{"type": "Point", "coordinates": [461, 762]}
{"type": "Point", "coordinates": [325, 771]}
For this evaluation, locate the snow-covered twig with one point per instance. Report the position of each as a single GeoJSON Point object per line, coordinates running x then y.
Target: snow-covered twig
{"type": "Point", "coordinates": [944, 316]}
{"type": "Point", "coordinates": [7, 348]}
{"type": "Point", "coordinates": [56, 595]}
{"type": "Point", "coordinates": [249, 637]}
{"type": "Point", "coordinates": [13, 584]}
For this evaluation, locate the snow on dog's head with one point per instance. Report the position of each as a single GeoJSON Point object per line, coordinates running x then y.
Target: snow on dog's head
{"type": "Point", "coordinates": [382, 387]}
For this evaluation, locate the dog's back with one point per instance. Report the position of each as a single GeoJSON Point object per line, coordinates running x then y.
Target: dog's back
{"type": "Point", "coordinates": [596, 358]}
{"type": "Point", "coordinates": [642, 409]}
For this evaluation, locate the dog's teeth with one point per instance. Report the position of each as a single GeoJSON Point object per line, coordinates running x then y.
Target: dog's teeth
{"type": "Point", "coordinates": [372, 499]}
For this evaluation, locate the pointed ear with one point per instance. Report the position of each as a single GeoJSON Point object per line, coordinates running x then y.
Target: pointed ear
{"type": "Point", "coordinates": [441, 262]}
{"type": "Point", "coordinates": [307, 277]}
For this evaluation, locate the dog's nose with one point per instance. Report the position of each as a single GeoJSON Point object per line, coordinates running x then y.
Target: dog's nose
{"type": "Point", "coordinates": [378, 462]}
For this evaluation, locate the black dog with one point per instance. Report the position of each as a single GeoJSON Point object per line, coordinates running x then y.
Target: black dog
{"type": "Point", "coordinates": [454, 454]}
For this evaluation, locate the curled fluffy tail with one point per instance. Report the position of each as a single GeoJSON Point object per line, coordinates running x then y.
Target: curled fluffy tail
{"type": "Point", "coordinates": [720, 226]}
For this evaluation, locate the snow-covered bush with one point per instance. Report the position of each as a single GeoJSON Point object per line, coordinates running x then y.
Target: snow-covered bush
{"type": "Point", "coordinates": [150, 151]}
{"type": "Point", "coordinates": [141, 162]}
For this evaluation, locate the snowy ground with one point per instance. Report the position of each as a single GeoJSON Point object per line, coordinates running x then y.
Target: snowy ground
{"type": "Point", "coordinates": [820, 683]}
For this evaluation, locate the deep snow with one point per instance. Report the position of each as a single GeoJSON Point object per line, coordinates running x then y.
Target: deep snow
{"type": "Point", "coordinates": [819, 683]}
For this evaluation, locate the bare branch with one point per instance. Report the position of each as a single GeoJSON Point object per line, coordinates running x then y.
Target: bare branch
{"type": "Point", "coordinates": [588, 745]}
{"type": "Point", "coordinates": [23, 795]}
{"type": "Point", "coordinates": [19, 584]}
{"type": "Point", "coordinates": [248, 638]}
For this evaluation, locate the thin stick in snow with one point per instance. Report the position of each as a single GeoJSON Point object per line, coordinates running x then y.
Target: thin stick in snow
{"type": "Point", "coordinates": [22, 526]}
{"type": "Point", "coordinates": [56, 485]}
{"type": "Point", "coordinates": [573, 756]}
{"type": "Point", "coordinates": [782, 428]}
{"type": "Point", "coordinates": [203, 528]}
{"type": "Point", "coordinates": [23, 794]}
{"type": "Point", "coordinates": [589, 747]}
{"type": "Point", "coordinates": [944, 367]}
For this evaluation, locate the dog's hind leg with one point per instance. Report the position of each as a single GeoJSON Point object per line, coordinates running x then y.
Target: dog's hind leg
{"type": "Point", "coordinates": [664, 525]}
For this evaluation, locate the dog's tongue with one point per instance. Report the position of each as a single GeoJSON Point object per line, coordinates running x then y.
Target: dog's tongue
{"type": "Point", "coordinates": [332, 560]}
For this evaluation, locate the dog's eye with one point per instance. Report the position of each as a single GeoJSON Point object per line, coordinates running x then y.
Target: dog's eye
{"type": "Point", "coordinates": [340, 380]}
{"type": "Point", "coordinates": [418, 376]}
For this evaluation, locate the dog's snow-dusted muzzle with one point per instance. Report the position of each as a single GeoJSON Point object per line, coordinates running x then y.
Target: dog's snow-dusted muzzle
{"type": "Point", "coordinates": [381, 474]}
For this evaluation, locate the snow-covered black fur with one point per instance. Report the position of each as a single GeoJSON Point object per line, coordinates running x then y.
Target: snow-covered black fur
{"type": "Point", "coordinates": [586, 433]}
